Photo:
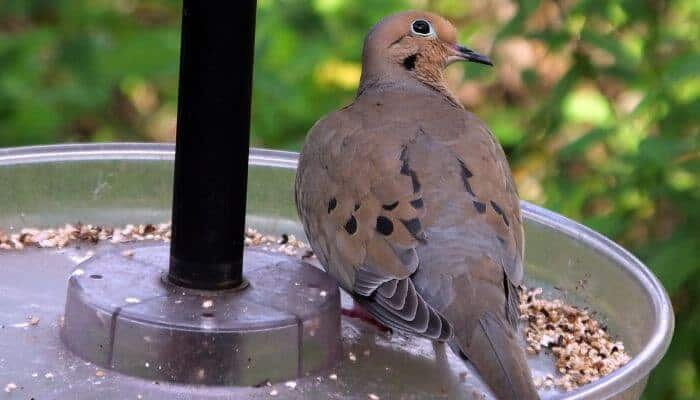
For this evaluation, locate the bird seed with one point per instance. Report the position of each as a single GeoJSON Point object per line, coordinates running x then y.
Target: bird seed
{"type": "Point", "coordinates": [582, 348]}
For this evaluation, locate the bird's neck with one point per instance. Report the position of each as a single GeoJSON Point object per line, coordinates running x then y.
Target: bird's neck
{"type": "Point", "coordinates": [419, 81]}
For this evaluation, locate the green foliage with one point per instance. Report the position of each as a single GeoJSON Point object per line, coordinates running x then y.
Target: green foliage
{"type": "Point", "coordinates": [596, 103]}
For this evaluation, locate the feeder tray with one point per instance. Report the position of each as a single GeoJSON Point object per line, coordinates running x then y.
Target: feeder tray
{"type": "Point", "coordinates": [117, 184]}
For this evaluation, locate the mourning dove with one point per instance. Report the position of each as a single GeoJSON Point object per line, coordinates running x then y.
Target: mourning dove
{"type": "Point", "coordinates": [408, 201]}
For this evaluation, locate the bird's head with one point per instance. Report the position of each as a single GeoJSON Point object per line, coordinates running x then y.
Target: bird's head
{"type": "Point", "coordinates": [413, 45]}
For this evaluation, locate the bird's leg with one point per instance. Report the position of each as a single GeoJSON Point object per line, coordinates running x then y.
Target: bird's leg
{"type": "Point", "coordinates": [359, 313]}
{"type": "Point", "coordinates": [439, 348]}
{"type": "Point", "coordinates": [453, 386]}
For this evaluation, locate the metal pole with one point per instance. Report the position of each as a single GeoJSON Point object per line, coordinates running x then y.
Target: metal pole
{"type": "Point", "coordinates": [211, 158]}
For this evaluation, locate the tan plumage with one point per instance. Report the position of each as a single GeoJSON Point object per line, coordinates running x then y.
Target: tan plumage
{"type": "Point", "coordinates": [408, 201]}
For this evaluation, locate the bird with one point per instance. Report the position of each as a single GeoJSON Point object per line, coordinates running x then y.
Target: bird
{"type": "Point", "coordinates": [408, 201]}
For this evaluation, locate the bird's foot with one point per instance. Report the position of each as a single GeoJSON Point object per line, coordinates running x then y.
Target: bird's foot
{"type": "Point", "coordinates": [358, 312]}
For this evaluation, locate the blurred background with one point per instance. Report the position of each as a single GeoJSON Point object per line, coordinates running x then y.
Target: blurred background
{"type": "Point", "coordinates": [595, 102]}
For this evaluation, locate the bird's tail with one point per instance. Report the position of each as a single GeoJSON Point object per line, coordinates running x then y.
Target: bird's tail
{"type": "Point", "coordinates": [499, 359]}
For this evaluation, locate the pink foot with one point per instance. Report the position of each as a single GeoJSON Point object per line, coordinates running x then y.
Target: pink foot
{"type": "Point", "coordinates": [359, 313]}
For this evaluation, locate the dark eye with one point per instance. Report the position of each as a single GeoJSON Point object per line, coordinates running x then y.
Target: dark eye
{"type": "Point", "coordinates": [421, 27]}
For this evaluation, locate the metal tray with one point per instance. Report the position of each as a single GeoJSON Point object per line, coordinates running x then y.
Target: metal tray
{"type": "Point", "coordinates": [115, 184]}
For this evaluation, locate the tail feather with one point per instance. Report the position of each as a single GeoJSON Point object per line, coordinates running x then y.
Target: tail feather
{"type": "Point", "coordinates": [499, 360]}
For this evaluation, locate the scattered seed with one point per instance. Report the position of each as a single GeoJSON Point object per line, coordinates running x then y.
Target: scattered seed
{"type": "Point", "coordinates": [93, 234]}
{"type": "Point", "coordinates": [333, 377]}
{"type": "Point", "coordinates": [207, 303]}
{"type": "Point", "coordinates": [372, 396]}
{"type": "Point", "coordinates": [290, 384]}
{"type": "Point", "coordinates": [582, 349]}
{"type": "Point", "coordinates": [273, 392]}
{"type": "Point", "coordinates": [352, 357]}
{"type": "Point", "coordinates": [307, 254]}
{"type": "Point", "coordinates": [10, 387]}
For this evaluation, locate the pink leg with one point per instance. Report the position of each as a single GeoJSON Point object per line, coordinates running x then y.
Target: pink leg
{"type": "Point", "coordinates": [359, 313]}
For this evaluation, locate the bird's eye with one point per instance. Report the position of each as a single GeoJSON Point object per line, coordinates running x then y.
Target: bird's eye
{"type": "Point", "coordinates": [421, 27]}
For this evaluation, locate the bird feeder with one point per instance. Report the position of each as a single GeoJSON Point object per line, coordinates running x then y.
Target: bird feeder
{"type": "Point", "coordinates": [243, 330]}
{"type": "Point", "coordinates": [200, 317]}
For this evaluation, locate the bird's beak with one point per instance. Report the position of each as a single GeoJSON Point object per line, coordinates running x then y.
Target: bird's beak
{"type": "Point", "coordinates": [461, 53]}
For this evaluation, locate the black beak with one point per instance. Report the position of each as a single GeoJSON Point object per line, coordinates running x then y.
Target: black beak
{"type": "Point", "coordinates": [471, 55]}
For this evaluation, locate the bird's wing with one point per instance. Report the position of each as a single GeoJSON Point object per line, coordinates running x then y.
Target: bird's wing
{"type": "Point", "coordinates": [486, 174]}
{"type": "Point", "coordinates": [361, 204]}
{"type": "Point", "coordinates": [472, 261]}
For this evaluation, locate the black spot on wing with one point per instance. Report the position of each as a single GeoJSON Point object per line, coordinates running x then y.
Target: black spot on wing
{"type": "Point", "coordinates": [415, 182]}
{"type": "Point", "coordinates": [357, 206]}
{"type": "Point", "coordinates": [351, 225]}
{"type": "Point", "coordinates": [414, 227]}
{"type": "Point", "coordinates": [466, 174]}
{"type": "Point", "coordinates": [499, 211]}
{"type": "Point", "coordinates": [417, 203]}
{"type": "Point", "coordinates": [480, 207]}
{"type": "Point", "coordinates": [332, 203]}
{"type": "Point", "coordinates": [384, 225]}
{"type": "Point", "coordinates": [468, 188]}
{"type": "Point", "coordinates": [405, 170]}
{"type": "Point", "coordinates": [391, 206]}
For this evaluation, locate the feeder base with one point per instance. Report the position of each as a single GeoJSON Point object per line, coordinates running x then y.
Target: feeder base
{"type": "Point", "coordinates": [122, 314]}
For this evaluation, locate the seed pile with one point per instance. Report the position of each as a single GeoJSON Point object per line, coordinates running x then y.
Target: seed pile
{"type": "Point", "coordinates": [287, 244]}
{"type": "Point", "coordinates": [76, 233]}
{"type": "Point", "coordinates": [85, 233]}
{"type": "Point", "coordinates": [583, 350]}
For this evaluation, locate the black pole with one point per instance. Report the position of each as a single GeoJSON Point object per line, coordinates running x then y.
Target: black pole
{"type": "Point", "coordinates": [211, 158]}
